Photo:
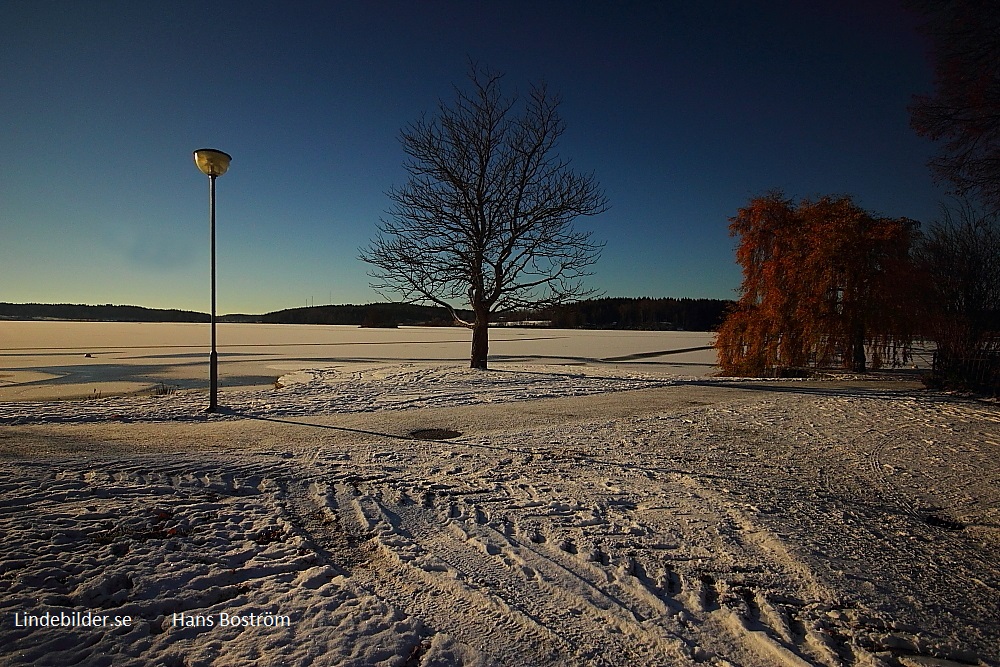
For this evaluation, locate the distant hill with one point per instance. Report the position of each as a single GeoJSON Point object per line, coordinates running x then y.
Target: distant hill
{"type": "Point", "coordinates": [607, 313]}
{"type": "Point", "coordinates": [368, 315]}
{"type": "Point", "coordinates": [637, 313]}
{"type": "Point", "coordinates": [372, 314]}
{"type": "Point", "coordinates": [105, 313]}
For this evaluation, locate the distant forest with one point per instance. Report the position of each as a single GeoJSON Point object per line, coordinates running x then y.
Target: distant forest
{"type": "Point", "coordinates": [608, 313]}
{"type": "Point", "coordinates": [105, 313]}
{"type": "Point", "coordinates": [368, 315]}
{"type": "Point", "coordinates": [641, 313]}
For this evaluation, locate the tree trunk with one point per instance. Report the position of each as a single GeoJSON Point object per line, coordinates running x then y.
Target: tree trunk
{"type": "Point", "coordinates": [859, 362]}
{"type": "Point", "coordinates": [480, 342]}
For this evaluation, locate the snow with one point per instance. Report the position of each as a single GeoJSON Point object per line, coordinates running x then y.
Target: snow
{"type": "Point", "coordinates": [332, 390]}
{"type": "Point", "coordinates": [584, 515]}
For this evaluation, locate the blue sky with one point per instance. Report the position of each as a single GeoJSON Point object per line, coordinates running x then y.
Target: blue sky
{"type": "Point", "coordinates": [682, 110]}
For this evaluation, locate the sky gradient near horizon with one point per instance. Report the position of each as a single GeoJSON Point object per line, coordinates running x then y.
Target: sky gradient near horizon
{"type": "Point", "coordinates": [683, 111]}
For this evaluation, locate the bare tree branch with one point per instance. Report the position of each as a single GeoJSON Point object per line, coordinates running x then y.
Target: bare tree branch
{"type": "Point", "coordinates": [964, 111]}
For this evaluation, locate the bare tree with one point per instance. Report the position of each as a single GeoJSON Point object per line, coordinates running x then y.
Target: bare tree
{"type": "Point", "coordinates": [964, 111]}
{"type": "Point", "coordinates": [960, 256]}
{"type": "Point", "coordinates": [485, 219]}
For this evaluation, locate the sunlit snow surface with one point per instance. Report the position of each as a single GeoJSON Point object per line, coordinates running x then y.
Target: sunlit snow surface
{"type": "Point", "coordinates": [333, 390]}
{"type": "Point", "coordinates": [702, 522]}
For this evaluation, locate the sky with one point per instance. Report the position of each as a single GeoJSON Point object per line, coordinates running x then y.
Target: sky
{"type": "Point", "coordinates": [683, 111]}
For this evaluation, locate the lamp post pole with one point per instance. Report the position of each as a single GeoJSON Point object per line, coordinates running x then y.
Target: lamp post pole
{"type": "Point", "coordinates": [213, 358]}
{"type": "Point", "coordinates": [213, 163]}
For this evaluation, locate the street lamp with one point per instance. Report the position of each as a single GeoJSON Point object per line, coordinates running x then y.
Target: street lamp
{"type": "Point", "coordinates": [213, 164]}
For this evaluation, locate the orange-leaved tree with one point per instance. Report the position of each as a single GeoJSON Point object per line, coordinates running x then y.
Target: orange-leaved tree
{"type": "Point", "coordinates": [824, 283]}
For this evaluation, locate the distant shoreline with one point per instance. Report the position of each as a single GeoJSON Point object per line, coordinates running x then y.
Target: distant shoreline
{"type": "Point", "coordinates": [621, 313]}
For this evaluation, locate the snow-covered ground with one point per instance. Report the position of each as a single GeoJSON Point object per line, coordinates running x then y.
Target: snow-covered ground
{"type": "Point", "coordinates": [584, 515]}
{"type": "Point", "coordinates": [346, 388]}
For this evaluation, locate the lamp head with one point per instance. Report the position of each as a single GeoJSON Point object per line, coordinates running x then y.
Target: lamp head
{"type": "Point", "coordinates": [212, 162]}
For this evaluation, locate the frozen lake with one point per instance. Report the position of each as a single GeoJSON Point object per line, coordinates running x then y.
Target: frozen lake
{"type": "Point", "coordinates": [53, 359]}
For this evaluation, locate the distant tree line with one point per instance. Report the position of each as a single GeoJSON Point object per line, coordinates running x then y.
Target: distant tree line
{"type": "Point", "coordinates": [373, 314]}
{"type": "Point", "coordinates": [367, 315]}
{"type": "Point", "coordinates": [607, 313]}
{"type": "Point", "coordinates": [644, 313]}
{"type": "Point", "coordinates": [103, 313]}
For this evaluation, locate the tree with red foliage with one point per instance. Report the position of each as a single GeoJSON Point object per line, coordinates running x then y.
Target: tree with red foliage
{"type": "Point", "coordinates": [824, 283]}
{"type": "Point", "coordinates": [964, 110]}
